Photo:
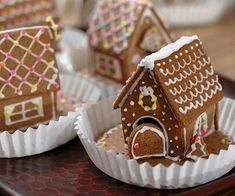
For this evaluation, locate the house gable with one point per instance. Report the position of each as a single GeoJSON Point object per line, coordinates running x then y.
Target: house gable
{"type": "Point", "coordinates": [145, 103]}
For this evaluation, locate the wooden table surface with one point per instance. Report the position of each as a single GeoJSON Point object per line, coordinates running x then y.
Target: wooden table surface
{"type": "Point", "coordinates": [219, 42]}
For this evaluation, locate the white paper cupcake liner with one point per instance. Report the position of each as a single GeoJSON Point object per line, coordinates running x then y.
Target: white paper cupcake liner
{"type": "Point", "coordinates": [57, 132]}
{"type": "Point", "coordinates": [75, 50]}
{"type": "Point", "coordinates": [95, 119]}
{"type": "Point", "coordinates": [197, 12]}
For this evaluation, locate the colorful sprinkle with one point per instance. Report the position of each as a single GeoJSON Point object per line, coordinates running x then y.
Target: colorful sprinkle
{"type": "Point", "coordinates": [137, 146]}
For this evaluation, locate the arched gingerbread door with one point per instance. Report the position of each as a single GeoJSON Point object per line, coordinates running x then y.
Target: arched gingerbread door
{"type": "Point", "coordinates": [148, 139]}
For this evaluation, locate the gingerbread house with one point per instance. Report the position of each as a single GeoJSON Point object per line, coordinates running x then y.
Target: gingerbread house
{"type": "Point", "coordinates": [29, 77]}
{"type": "Point", "coordinates": [121, 32]}
{"type": "Point", "coordinates": [21, 13]}
{"type": "Point", "coordinates": [176, 91]}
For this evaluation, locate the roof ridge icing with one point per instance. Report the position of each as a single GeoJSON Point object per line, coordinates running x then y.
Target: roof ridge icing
{"type": "Point", "coordinates": [148, 61]}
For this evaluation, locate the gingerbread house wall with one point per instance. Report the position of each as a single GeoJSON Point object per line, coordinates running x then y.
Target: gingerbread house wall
{"type": "Point", "coordinates": [135, 53]}
{"type": "Point", "coordinates": [112, 70]}
{"type": "Point", "coordinates": [47, 101]}
{"type": "Point", "coordinates": [132, 111]}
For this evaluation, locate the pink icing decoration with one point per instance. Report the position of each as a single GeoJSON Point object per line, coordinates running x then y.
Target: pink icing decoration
{"type": "Point", "coordinates": [24, 79]}
{"type": "Point", "coordinates": [46, 46]}
{"type": "Point", "coordinates": [42, 76]}
{"type": "Point", "coordinates": [13, 73]}
{"type": "Point", "coordinates": [7, 81]}
{"type": "Point", "coordinates": [8, 54]}
{"type": "Point", "coordinates": [22, 32]}
{"type": "Point", "coordinates": [39, 58]}
{"type": "Point", "coordinates": [42, 30]}
{"type": "Point", "coordinates": [18, 91]}
{"type": "Point", "coordinates": [56, 85]}
{"type": "Point", "coordinates": [6, 35]}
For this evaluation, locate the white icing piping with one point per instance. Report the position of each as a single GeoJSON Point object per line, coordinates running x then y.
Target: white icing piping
{"type": "Point", "coordinates": [148, 61]}
{"type": "Point", "coordinates": [201, 65]}
{"type": "Point", "coordinates": [181, 100]}
{"type": "Point", "coordinates": [187, 87]}
{"type": "Point", "coordinates": [202, 100]}
{"type": "Point", "coordinates": [146, 128]}
{"type": "Point", "coordinates": [181, 77]}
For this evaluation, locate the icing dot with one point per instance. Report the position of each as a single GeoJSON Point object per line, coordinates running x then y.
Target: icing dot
{"type": "Point", "coordinates": [171, 141]}
{"type": "Point", "coordinates": [176, 138]}
{"type": "Point", "coordinates": [125, 110]}
{"type": "Point", "coordinates": [164, 106]}
{"type": "Point", "coordinates": [132, 103]}
{"type": "Point", "coordinates": [176, 126]}
{"type": "Point", "coordinates": [163, 119]}
{"type": "Point", "coordinates": [186, 51]}
{"type": "Point", "coordinates": [158, 64]}
{"type": "Point", "coordinates": [163, 113]}
{"type": "Point", "coordinates": [160, 95]}
{"type": "Point", "coordinates": [177, 146]}
{"type": "Point", "coordinates": [172, 151]}
{"type": "Point", "coordinates": [192, 47]}
{"type": "Point", "coordinates": [170, 60]}
{"type": "Point", "coordinates": [170, 118]}
{"type": "Point", "coordinates": [133, 114]}
{"type": "Point", "coordinates": [155, 86]}
{"type": "Point", "coordinates": [127, 138]}
{"type": "Point", "coordinates": [137, 146]}
{"type": "Point", "coordinates": [143, 82]}
{"type": "Point", "coordinates": [123, 119]}
{"type": "Point", "coordinates": [125, 130]}
{"type": "Point", "coordinates": [169, 129]}
{"type": "Point", "coordinates": [129, 124]}
{"type": "Point", "coordinates": [135, 90]}
{"type": "Point", "coordinates": [196, 44]}
{"type": "Point", "coordinates": [154, 114]}
{"type": "Point", "coordinates": [181, 54]}
{"type": "Point", "coordinates": [176, 56]}
{"type": "Point", "coordinates": [164, 63]}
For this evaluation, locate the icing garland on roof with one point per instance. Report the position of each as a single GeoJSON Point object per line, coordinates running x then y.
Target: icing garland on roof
{"type": "Point", "coordinates": [181, 77]}
{"type": "Point", "coordinates": [202, 100]}
{"type": "Point", "coordinates": [186, 98]}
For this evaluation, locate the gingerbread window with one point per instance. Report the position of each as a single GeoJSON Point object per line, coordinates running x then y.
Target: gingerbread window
{"type": "Point", "coordinates": [24, 111]}
{"type": "Point", "coordinates": [109, 66]}
{"type": "Point", "coordinates": [152, 40]}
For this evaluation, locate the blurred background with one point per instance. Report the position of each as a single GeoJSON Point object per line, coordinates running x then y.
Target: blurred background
{"type": "Point", "coordinates": [212, 20]}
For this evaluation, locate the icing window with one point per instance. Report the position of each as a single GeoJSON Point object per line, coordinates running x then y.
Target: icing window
{"type": "Point", "coordinates": [152, 40]}
{"type": "Point", "coordinates": [201, 124]}
{"type": "Point", "coordinates": [109, 66]}
{"type": "Point", "coordinates": [23, 111]}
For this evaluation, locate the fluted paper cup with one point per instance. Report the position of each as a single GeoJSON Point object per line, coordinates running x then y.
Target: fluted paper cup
{"type": "Point", "coordinates": [191, 13]}
{"type": "Point", "coordinates": [94, 119]}
{"type": "Point", "coordinates": [56, 132]}
{"type": "Point", "coordinates": [74, 46]}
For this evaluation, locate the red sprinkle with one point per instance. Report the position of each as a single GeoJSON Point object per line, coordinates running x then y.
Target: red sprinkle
{"type": "Point", "coordinates": [137, 146]}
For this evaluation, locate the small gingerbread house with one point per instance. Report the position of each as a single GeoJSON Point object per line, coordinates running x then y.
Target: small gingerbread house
{"type": "Point", "coordinates": [29, 77]}
{"type": "Point", "coordinates": [121, 33]}
{"type": "Point", "coordinates": [175, 90]}
{"type": "Point", "coordinates": [21, 13]}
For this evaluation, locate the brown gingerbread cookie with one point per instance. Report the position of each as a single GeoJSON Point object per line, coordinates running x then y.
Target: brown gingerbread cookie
{"type": "Point", "coordinates": [121, 33]}
{"type": "Point", "coordinates": [29, 77]}
{"type": "Point", "coordinates": [177, 90]}
{"type": "Point", "coordinates": [22, 13]}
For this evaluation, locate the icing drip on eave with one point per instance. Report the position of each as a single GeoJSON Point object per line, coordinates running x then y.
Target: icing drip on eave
{"type": "Point", "coordinates": [148, 61]}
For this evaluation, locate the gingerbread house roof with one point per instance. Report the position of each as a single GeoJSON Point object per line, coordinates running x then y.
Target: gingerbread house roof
{"type": "Point", "coordinates": [186, 76]}
{"type": "Point", "coordinates": [21, 13]}
{"type": "Point", "coordinates": [27, 62]}
{"type": "Point", "coordinates": [114, 22]}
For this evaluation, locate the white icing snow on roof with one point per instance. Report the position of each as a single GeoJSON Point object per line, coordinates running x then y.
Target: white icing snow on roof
{"type": "Point", "coordinates": [148, 61]}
